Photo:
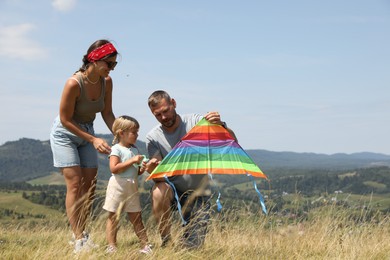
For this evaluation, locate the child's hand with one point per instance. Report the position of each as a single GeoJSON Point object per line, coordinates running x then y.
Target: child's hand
{"type": "Point", "coordinates": [138, 159]}
{"type": "Point", "coordinates": [142, 167]}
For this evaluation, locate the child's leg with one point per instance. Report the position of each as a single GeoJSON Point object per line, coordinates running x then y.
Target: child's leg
{"type": "Point", "coordinates": [136, 219]}
{"type": "Point", "coordinates": [111, 228]}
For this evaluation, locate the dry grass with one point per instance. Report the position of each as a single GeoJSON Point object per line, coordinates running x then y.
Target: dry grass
{"type": "Point", "coordinates": [329, 233]}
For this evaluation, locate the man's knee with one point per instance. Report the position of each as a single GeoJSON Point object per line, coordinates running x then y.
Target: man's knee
{"type": "Point", "coordinates": [162, 196]}
{"type": "Point", "coordinates": [162, 192]}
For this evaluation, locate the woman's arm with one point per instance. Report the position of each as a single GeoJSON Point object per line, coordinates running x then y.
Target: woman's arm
{"type": "Point", "coordinates": [107, 113]}
{"type": "Point", "coordinates": [67, 104]}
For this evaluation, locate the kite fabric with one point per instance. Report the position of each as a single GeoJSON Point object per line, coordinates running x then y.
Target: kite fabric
{"type": "Point", "coordinates": [207, 149]}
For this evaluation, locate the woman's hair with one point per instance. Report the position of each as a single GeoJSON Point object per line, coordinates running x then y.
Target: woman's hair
{"type": "Point", "coordinates": [122, 124]}
{"type": "Point", "coordinates": [156, 97]}
{"type": "Point", "coordinates": [94, 46]}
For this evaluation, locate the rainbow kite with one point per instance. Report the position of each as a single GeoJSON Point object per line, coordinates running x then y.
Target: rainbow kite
{"type": "Point", "coordinates": [208, 149]}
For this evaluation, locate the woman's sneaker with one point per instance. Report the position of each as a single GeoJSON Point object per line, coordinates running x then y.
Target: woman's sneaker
{"type": "Point", "coordinates": [78, 246]}
{"type": "Point", "coordinates": [146, 250]}
{"type": "Point", "coordinates": [88, 241]}
{"type": "Point", "coordinates": [72, 240]}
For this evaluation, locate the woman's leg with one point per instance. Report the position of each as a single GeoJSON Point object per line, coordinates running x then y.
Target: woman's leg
{"type": "Point", "coordinates": [73, 202]}
{"type": "Point", "coordinates": [136, 219]}
{"type": "Point", "coordinates": [88, 186]}
{"type": "Point", "coordinates": [80, 185]}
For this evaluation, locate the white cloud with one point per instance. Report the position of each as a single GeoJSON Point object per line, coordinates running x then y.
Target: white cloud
{"type": "Point", "coordinates": [64, 5]}
{"type": "Point", "coordinates": [15, 43]}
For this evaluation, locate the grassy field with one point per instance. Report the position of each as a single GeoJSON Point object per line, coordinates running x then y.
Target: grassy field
{"type": "Point", "coordinates": [13, 201]}
{"type": "Point", "coordinates": [55, 178]}
{"type": "Point", "coordinates": [329, 232]}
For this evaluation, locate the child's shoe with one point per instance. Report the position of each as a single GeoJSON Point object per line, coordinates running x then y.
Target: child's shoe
{"type": "Point", "coordinates": [146, 250]}
{"type": "Point", "coordinates": [111, 249]}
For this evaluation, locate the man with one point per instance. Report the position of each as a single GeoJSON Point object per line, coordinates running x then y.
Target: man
{"type": "Point", "coordinates": [193, 190]}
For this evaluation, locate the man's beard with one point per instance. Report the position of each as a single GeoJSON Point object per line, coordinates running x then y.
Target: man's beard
{"type": "Point", "coordinates": [170, 123]}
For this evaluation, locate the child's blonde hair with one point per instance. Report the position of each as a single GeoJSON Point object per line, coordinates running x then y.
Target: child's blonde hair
{"type": "Point", "coordinates": [122, 124]}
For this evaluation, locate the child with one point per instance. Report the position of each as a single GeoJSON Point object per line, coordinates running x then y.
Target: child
{"type": "Point", "coordinates": [122, 190]}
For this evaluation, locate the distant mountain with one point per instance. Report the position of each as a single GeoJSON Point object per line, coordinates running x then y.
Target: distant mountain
{"type": "Point", "coordinates": [27, 159]}
{"type": "Point", "coordinates": [340, 161]}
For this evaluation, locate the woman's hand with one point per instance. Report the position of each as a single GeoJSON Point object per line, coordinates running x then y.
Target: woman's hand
{"type": "Point", "coordinates": [101, 146]}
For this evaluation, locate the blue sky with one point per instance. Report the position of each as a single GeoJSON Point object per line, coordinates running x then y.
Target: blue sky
{"type": "Point", "coordinates": [301, 76]}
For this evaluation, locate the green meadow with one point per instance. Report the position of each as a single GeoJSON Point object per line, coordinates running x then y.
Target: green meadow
{"type": "Point", "coordinates": [330, 231]}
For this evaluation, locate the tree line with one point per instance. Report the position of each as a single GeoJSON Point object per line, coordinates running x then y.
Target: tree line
{"type": "Point", "coordinates": [356, 182]}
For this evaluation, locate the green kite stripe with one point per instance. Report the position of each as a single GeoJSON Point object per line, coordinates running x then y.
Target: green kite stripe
{"type": "Point", "coordinates": [207, 165]}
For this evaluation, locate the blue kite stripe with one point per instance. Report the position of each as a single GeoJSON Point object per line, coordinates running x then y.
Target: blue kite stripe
{"type": "Point", "coordinates": [205, 151]}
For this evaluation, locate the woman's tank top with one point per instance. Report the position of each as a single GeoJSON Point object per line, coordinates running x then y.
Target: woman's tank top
{"type": "Point", "coordinates": [85, 109]}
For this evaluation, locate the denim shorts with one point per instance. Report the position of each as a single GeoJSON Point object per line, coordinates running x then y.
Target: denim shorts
{"type": "Point", "coordinates": [70, 150]}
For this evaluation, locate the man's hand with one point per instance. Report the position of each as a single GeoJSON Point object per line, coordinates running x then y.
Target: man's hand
{"type": "Point", "coordinates": [214, 118]}
{"type": "Point", "coordinates": [151, 165]}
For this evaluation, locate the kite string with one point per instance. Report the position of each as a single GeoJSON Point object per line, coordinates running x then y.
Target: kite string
{"type": "Point", "coordinates": [177, 199]}
{"type": "Point", "coordinates": [219, 205]}
{"type": "Point", "coordinates": [258, 192]}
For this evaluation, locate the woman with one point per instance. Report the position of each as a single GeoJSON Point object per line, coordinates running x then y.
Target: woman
{"type": "Point", "coordinates": [73, 142]}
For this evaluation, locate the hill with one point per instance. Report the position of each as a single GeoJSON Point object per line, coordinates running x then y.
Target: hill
{"type": "Point", "coordinates": [339, 161]}
{"type": "Point", "coordinates": [27, 159]}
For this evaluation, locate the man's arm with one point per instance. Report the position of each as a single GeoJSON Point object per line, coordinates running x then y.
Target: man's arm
{"type": "Point", "coordinates": [154, 157]}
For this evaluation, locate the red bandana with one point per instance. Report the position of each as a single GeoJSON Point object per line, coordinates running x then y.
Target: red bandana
{"type": "Point", "coordinates": [101, 52]}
